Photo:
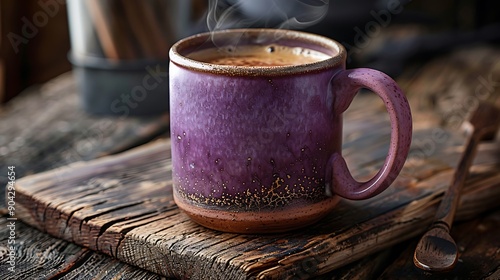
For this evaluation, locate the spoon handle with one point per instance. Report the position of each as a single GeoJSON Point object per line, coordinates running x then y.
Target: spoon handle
{"type": "Point", "coordinates": [448, 206]}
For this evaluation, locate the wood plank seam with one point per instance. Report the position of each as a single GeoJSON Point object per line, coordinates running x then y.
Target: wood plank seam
{"type": "Point", "coordinates": [178, 245]}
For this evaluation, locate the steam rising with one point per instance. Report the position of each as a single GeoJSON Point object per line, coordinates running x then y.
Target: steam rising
{"type": "Point", "coordinates": [282, 14]}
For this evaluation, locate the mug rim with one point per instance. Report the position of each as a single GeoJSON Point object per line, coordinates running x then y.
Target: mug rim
{"type": "Point", "coordinates": [338, 58]}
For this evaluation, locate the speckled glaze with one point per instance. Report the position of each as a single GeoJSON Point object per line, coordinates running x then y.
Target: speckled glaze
{"type": "Point", "coordinates": [258, 149]}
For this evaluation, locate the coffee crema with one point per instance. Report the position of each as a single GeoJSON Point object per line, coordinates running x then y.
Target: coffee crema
{"type": "Point", "coordinates": [258, 56]}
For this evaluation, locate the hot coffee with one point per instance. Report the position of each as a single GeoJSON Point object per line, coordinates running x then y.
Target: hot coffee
{"type": "Point", "coordinates": [258, 149]}
{"type": "Point", "coordinates": [258, 55]}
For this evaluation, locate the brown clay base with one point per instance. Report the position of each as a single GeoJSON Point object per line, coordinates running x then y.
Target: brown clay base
{"type": "Point", "coordinates": [258, 221]}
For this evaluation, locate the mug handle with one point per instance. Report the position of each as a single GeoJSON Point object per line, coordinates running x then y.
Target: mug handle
{"type": "Point", "coordinates": [346, 84]}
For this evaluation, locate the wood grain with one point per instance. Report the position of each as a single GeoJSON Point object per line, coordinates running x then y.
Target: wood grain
{"type": "Point", "coordinates": [471, 248]}
{"type": "Point", "coordinates": [41, 256]}
{"type": "Point", "coordinates": [35, 139]}
{"type": "Point", "coordinates": [122, 206]}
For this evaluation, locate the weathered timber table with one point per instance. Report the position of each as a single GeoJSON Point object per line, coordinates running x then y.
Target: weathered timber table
{"type": "Point", "coordinates": [89, 205]}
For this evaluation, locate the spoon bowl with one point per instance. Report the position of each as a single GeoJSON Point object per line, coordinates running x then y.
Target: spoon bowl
{"type": "Point", "coordinates": [436, 250]}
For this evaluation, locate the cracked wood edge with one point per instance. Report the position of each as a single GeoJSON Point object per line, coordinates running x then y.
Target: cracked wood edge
{"type": "Point", "coordinates": [175, 246]}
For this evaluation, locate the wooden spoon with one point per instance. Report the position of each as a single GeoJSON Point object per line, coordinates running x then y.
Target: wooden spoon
{"type": "Point", "coordinates": [436, 250]}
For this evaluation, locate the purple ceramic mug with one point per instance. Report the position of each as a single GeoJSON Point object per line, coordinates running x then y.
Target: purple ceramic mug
{"type": "Point", "coordinates": [258, 149]}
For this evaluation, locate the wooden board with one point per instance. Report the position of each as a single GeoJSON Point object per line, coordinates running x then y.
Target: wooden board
{"type": "Point", "coordinates": [122, 206]}
{"type": "Point", "coordinates": [478, 258]}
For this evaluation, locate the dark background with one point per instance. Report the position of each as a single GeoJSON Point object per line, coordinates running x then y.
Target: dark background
{"type": "Point", "coordinates": [424, 28]}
